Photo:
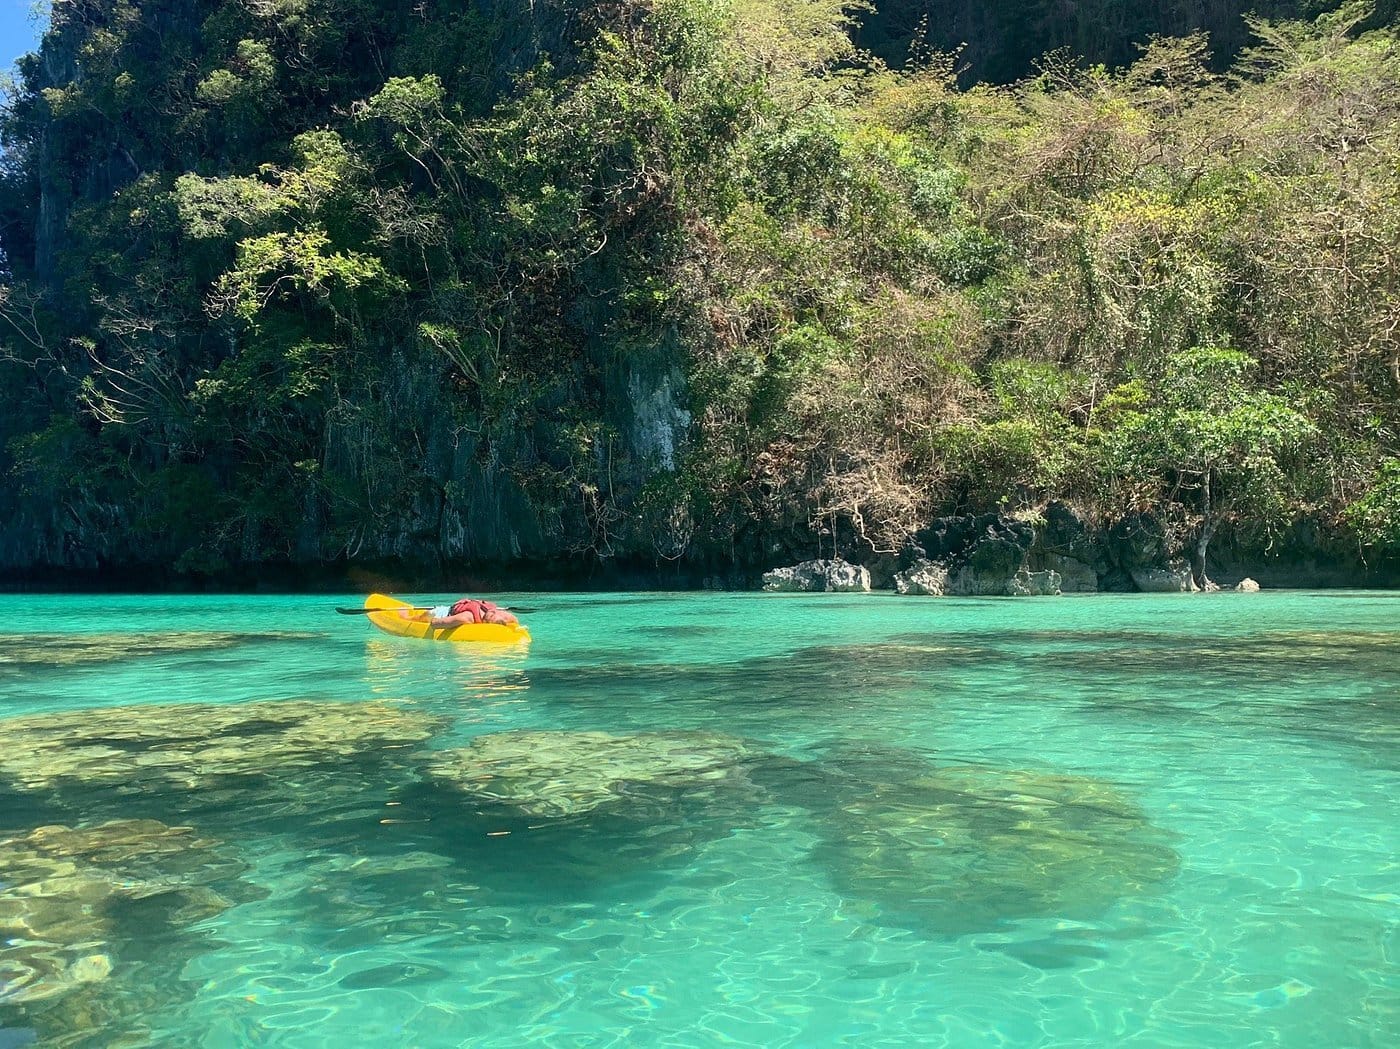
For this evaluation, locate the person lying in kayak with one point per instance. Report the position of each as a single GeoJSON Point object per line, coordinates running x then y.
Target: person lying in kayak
{"type": "Point", "coordinates": [467, 610]}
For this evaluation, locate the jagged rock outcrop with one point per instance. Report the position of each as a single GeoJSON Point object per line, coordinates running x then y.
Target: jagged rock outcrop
{"type": "Point", "coordinates": [981, 556]}
{"type": "Point", "coordinates": [1034, 584]}
{"type": "Point", "coordinates": [990, 541]}
{"type": "Point", "coordinates": [1069, 546]}
{"type": "Point", "coordinates": [923, 577]}
{"type": "Point", "coordinates": [1133, 545]}
{"type": "Point", "coordinates": [819, 576]}
{"type": "Point", "coordinates": [1171, 578]}
{"type": "Point", "coordinates": [1076, 577]}
{"type": "Point", "coordinates": [1063, 551]}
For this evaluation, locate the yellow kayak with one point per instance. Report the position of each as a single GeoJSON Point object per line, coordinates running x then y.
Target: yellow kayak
{"type": "Point", "coordinates": [391, 622]}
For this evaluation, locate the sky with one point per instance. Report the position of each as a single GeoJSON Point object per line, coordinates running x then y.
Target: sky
{"type": "Point", "coordinates": [18, 31]}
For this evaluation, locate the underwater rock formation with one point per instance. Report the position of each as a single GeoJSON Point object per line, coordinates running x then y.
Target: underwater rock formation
{"type": "Point", "coordinates": [63, 891]}
{"type": "Point", "coordinates": [554, 774]}
{"type": "Point", "coordinates": [966, 849]}
{"type": "Point", "coordinates": [190, 745]}
{"type": "Point", "coordinates": [63, 650]}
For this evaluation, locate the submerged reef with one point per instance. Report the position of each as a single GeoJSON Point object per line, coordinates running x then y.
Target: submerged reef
{"type": "Point", "coordinates": [70, 896]}
{"type": "Point", "coordinates": [1276, 652]}
{"type": "Point", "coordinates": [190, 745]}
{"type": "Point", "coordinates": [27, 651]}
{"type": "Point", "coordinates": [965, 849]}
{"type": "Point", "coordinates": [799, 684]}
{"type": "Point", "coordinates": [548, 774]}
{"type": "Point", "coordinates": [1254, 682]}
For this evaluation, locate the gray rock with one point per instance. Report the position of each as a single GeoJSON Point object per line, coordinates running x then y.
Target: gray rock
{"type": "Point", "coordinates": [996, 557]}
{"type": "Point", "coordinates": [834, 576]}
{"type": "Point", "coordinates": [1172, 578]}
{"type": "Point", "coordinates": [923, 577]}
{"type": "Point", "coordinates": [1247, 586]}
{"type": "Point", "coordinates": [967, 581]}
{"type": "Point", "coordinates": [988, 540]}
{"type": "Point", "coordinates": [984, 556]}
{"type": "Point", "coordinates": [1136, 543]}
{"type": "Point", "coordinates": [660, 423]}
{"type": "Point", "coordinates": [1076, 577]}
{"type": "Point", "coordinates": [1034, 584]}
{"type": "Point", "coordinates": [1066, 543]}
{"type": "Point", "coordinates": [980, 556]}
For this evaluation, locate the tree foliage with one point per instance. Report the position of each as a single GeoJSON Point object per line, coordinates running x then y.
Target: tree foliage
{"type": "Point", "coordinates": [310, 279]}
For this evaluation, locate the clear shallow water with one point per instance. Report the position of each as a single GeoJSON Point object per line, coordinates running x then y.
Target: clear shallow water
{"type": "Point", "coordinates": [1080, 821]}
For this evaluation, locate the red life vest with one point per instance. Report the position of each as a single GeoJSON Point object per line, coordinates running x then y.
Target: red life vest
{"type": "Point", "coordinates": [478, 609]}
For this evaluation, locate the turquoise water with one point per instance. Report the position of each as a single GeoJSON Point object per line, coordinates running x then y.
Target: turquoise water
{"type": "Point", "coordinates": [1081, 821]}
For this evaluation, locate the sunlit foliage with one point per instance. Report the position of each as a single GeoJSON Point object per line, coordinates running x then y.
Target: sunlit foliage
{"type": "Point", "coordinates": [309, 279]}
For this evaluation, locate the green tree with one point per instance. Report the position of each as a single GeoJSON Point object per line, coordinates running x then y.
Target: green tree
{"type": "Point", "coordinates": [1200, 435]}
{"type": "Point", "coordinates": [1376, 515]}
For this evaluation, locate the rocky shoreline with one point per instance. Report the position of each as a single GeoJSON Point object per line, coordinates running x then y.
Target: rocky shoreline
{"type": "Point", "coordinates": [1057, 549]}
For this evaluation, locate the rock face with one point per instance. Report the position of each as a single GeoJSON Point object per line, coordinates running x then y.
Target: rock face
{"type": "Point", "coordinates": [982, 556]}
{"type": "Point", "coordinates": [462, 494]}
{"type": "Point", "coordinates": [1034, 584]}
{"type": "Point", "coordinates": [1173, 578]}
{"type": "Point", "coordinates": [1062, 551]}
{"type": "Point", "coordinates": [1133, 545]}
{"type": "Point", "coordinates": [1067, 545]}
{"type": "Point", "coordinates": [1076, 577]}
{"type": "Point", "coordinates": [819, 576]}
{"type": "Point", "coordinates": [990, 542]}
{"type": "Point", "coordinates": [923, 577]}
{"type": "Point", "coordinates": [1247, 586]}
